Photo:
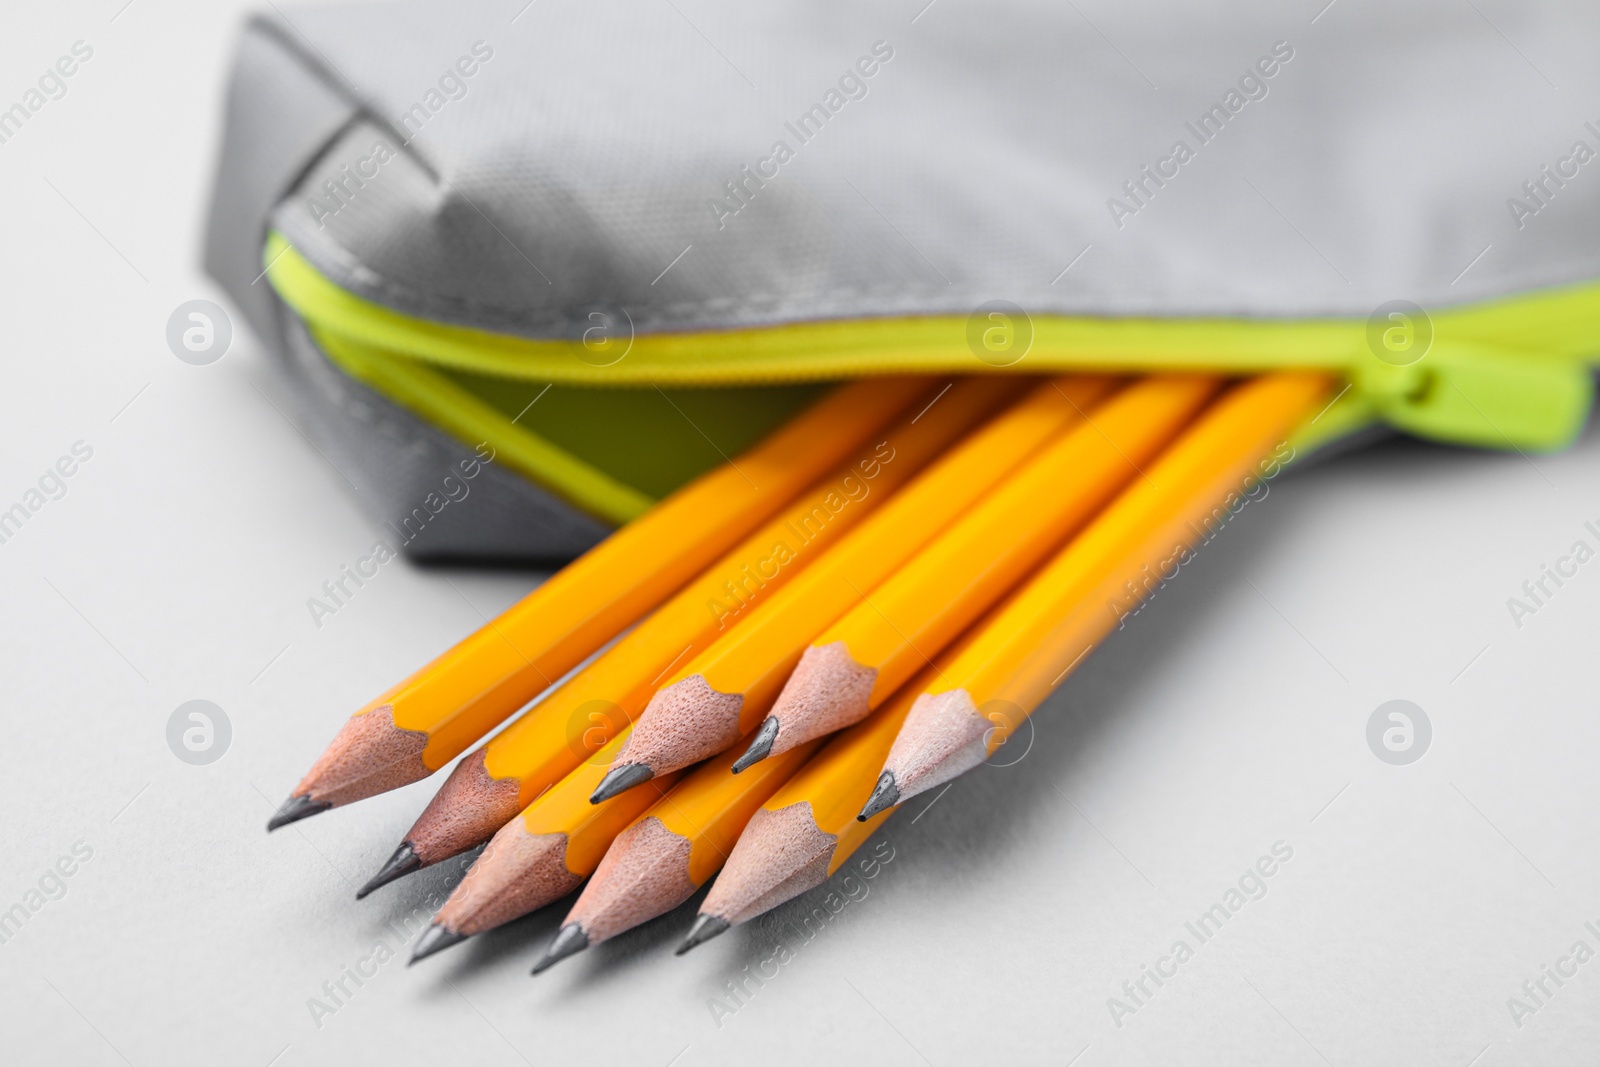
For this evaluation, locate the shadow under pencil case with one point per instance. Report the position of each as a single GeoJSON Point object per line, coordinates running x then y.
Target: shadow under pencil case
{"type": "Point", "coordinates": [609, 245]}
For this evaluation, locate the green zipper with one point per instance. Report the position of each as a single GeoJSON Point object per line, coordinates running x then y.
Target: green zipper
{"type": "Point", "coordinates": [1510, 373]}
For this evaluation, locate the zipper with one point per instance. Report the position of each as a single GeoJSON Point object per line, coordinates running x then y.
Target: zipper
{"type": "Point", "coordinates": [1509, 373]}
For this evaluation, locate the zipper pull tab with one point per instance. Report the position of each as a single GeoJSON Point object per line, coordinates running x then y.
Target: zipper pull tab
{"type": "Point", "coordinates": [1473, 394]}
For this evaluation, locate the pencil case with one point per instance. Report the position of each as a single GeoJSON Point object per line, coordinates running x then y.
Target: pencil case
{"type": "Point", "coordinates": [585, 252]}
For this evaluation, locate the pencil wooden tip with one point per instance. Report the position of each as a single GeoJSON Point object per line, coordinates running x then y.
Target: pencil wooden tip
{"type": "Point", "coordinates": [619, 780]}
{"type": "Point", "coordinates": [370, 755]}
{"type": "Point", "coordinates": [705, 928]}
{"type": "Point", "coordinates": [780, 855]}
{"type": "Point", "coordinates": [403, 862]}
{"type": "Point", "coordinates": [518, 873]}
{"type": "Point", "coordinates": [760, 745]}
{"type": "Point", "coordinates": [569, 941]}
{"type": "Point", "coordinates": [294, 809]}
{"type": "Point", "coordinates": [884, 796]}
{"type": "Point", "coordinates": [684, 723]}
{"type": "Point", "coordinates": [827, 691]}
{"type": "Point", "coordinates": [645, 873]}
{"type": "Point", "coordinates": [469, 808]}
{"type": "Point", "coordinates": [435, 938]}
{"type": "Point", "coordinates": [944, 736]}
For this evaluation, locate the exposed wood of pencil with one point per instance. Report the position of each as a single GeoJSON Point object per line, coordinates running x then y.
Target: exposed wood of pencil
{"type": "Point", "coordinates": [501, 778]}
{"type": "Point", "coordinates": [800, 537]}
{"type": "Point", "coordinates": [808, 828]}
{"type": "Point", "coordinates": [872, 651]}
{"type": "Point", "coordinates": [543, 854]}
{"type": "Point", "coordinates": [425, 721]}
{"type": "Point", "coordinates": [1049, 626]}
{"type": "Point", "coordinates": [671, 850]}
{"type": "Point", "coordinates": [725, 690]}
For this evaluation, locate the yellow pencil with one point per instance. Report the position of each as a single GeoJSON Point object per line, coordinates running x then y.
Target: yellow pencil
{"type": "Point", "coordinates": [826, 811]}
{"type": "Point", "coordinates": [723, 692]}
{"type": "Point", "coordinates": [421, 724]}
{"type": "Point", "coordinates": [871, 652]}
{"type": "Point", "coordinates": [671, 850]}
{"type": "Point", "coordinates": [491, 785]}
{"type": "Point", "coordinates": [536, 858]}
{"type": "Point", "coordinates": [1048, 628]}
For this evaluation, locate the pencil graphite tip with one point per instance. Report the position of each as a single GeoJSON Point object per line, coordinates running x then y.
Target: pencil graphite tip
{"type": "Point", "coordinates": [403, 862]}
{"type": "Point", "coordinates": [760, 745]}
{"type": "Point", "coordinates": [435, 938]}
{"type": "Point", "coordinates": [885, 795]}
{"type": "Point", "coordinates": [570, 941]}
{"type": "Point", "coordinates": [294, 809]}
{"type": "Point", "coordinates": [619, 780]}
{"type": "Point", "coordinates": [705, 928]}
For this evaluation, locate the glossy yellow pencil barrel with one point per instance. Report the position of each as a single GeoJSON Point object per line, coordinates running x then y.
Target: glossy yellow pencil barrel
{"type": "Point", "coordinates": [491, 785]}
{"type": "Point", "coordinates": [419, 725]}
{"type": "Point", "coordinates": [671, 850]}
{"type": "Point", "coordinates": [1048, 627]}
{"type": "Point", "coordinates": [725, 690]}
{"type": "Point", "coordinates": [869, 653]}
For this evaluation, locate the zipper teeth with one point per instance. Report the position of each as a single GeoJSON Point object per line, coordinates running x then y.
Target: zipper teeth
{"type": "Point", "coordinates": [1559, 323]}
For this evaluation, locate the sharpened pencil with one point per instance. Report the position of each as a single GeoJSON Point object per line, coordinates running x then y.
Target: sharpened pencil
{"type": "Point", "coordinates": [807, 828]}
{"type": "Point", "coordinates": [1045, 630]}
{"type": "Point", "coordinates": [724, 691]}
{"type": "Point", "coordinates": [670, 851]}
{"type": "Point", "coordinates": [421, 724]}
{"type": "Point", "coordinates": [872, 651]}
{"type": "Point", "coordinates": [538, 857]}
{"type": "Point", "coordinates": [492, 784]}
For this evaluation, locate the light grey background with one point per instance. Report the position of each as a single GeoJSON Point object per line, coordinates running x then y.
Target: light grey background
{"type": "Point", "coordinates": [1231, 715]}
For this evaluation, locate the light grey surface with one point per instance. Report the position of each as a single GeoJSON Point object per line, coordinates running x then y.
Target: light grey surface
{"type": "Point", "coordinates": [1232, 714]}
